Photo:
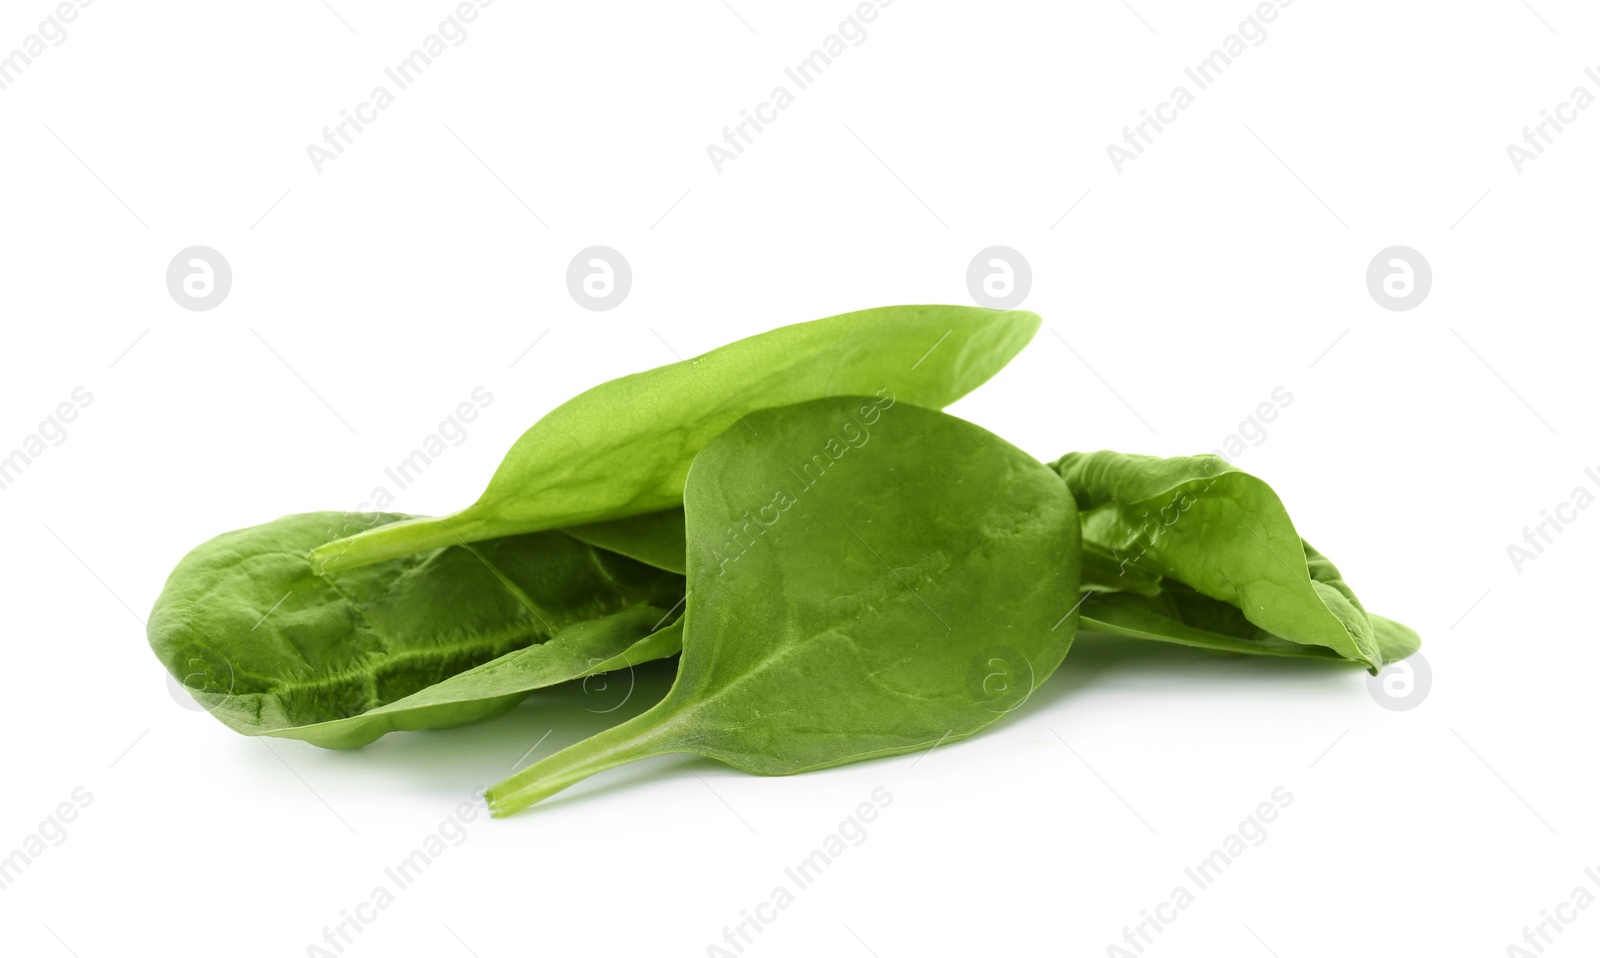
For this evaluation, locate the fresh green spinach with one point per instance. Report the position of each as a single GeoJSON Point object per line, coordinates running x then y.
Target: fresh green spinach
{"type": "Point", "coordinates": [655, 538]}
{"type": "Point", "coordinates": [848, 572]}
{"type": "Point", "coordinates": [451, 636]}
{"type": "Point", "coordinates": [1223, 533]}
{"type": "Point", "coordinates": [1123, 594]}
{"type": "Point", "coordinates": [855, 589]}
{"type": "Point", "coordinates": [624, 447]}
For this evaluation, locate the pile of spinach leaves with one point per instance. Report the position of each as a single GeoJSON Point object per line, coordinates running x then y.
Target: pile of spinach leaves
{"type": "Point", "coordinates": [844, 568]}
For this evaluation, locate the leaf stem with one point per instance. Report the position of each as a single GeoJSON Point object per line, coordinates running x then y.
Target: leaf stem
{"type": "Point", "coordinates": [640, 737]}
{"type": "Point", "coordinates": [399, 539]}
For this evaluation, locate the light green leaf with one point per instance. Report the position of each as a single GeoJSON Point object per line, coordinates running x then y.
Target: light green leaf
{"type": "Point", "coordinates": [623, 448]}
{"type": "Point", "coordinates": [655, 538]}
{"type": "Point", "coordinates": [1223, 533]}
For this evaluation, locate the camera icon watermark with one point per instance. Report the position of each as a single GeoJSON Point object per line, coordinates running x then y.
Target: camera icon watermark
{"type": "Point", "coordinates": [607, 691]}
{"type": "Point", "coordinates": [200, 681]}
{"type": "Point", "coordinates": [1399, 278]}
{"type": "Point", "coordinates": [1402, 686]}
{"type": "Point", "coordinates": [1000, 678]}
{"type": "Point", "coordinates": [999, 277]}
{"type": "Point", "coordinates": [199, 278]}
{"type": "Point", "coordinates": [599, 278]}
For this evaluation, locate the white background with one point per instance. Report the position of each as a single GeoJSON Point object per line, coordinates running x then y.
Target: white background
{"type": "Point", "coordinates": [370, 299]}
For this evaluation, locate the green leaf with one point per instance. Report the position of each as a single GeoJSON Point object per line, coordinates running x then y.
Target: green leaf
{"type": "Point", "coordinates": [656, 538]}
{"type": "Point", "coordinates": [1182, 616]}
{"type": "Point", "coordinates": [1223, 533]}
{"type": "Point", "coordinates": [433, 640]}
{"type": "Point", "coordinates": [1395, 641]}
{"type": "Point", "coordinates": [1129, 600]}
{"type": "Point", "coordinates": [863, 581]}
{"type": "Point", "coordinates": [623, 448]}
{"type": "Point", "coordinates": [1105, 571]}
{"type": "Point", "coordinates": [586, 648]}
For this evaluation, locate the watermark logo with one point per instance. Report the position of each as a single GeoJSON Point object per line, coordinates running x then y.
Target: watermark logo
{"type": "Point", "coordinates": [451, 832]}
{"type": "Point", "coordinates": [1137, 137]}
{"type": "Point", "coordinates": [1537, 537]}
{"type": "Point", "coordinates": [748, 527]}
{"type": "Point", "coordinates": [1402, 686]}
{"type": "Point", "coordinates": [49, 833]}
{"type": "Point", "coordinates": [599, 278]}
{"type": "Point", "coordinates": [451, 431]}
{"type": "Point", "coordinates": [999, 277]}
{"type": "Point", "coordinates": [1399, 278]}
{"type": "Point", "coordinates": [1554, 921]}
{"type": "Point", "coordinates": [607, 691]}
{"type": "Point", "coordinates": [199, 278]}
{"type": "Point", "coordinates": [52, 431]}
{"type": "Point", "coordinates": [51, 32]}
{"type": "Point", "coordinates": [1552, 123]}
{"type": "Point", "coordinates": [740, 136]}
{"type": "Point", "coordinates": [1000, 678]}
{"type": "Point", "coordinates": [851, 833]}
{"type": "Point", "coordinates": [340, 136]}
{"type": "Point", "coordinates": [200, 681]}
{"type": "Point", "coordinates": [1253, 428]}
{"type": "Point", "coordinates": [1252, 832]}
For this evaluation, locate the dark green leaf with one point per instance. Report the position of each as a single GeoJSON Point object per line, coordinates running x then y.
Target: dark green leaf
{"type": "Point", "coordinates": [863, 582]}
{"type": "Point", "coordinates": [428, 641]}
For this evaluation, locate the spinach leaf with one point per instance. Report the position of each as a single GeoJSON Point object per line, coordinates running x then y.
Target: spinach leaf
{"type": "Point", "coordinates": [1183, 616]}
{"type": "Point", "coordinates": [1125, 596]}
{"type": "Point", "coordinates": [618, 641]}
{"type": "Point", "coordinates": [859, 585]}
{"type": "Point", "coordinates": [656, 538]}
{"type": "Point", "coordinates": [623, 448]}
{"type": "Point", "coordinates": [451, 636]}
{"type": "Point", "coordinates": [1395, 641]}
{"type": "Point", "coordinates": [1223, 533]}
{"type": "Point", "coordinates": [1106, 571]}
